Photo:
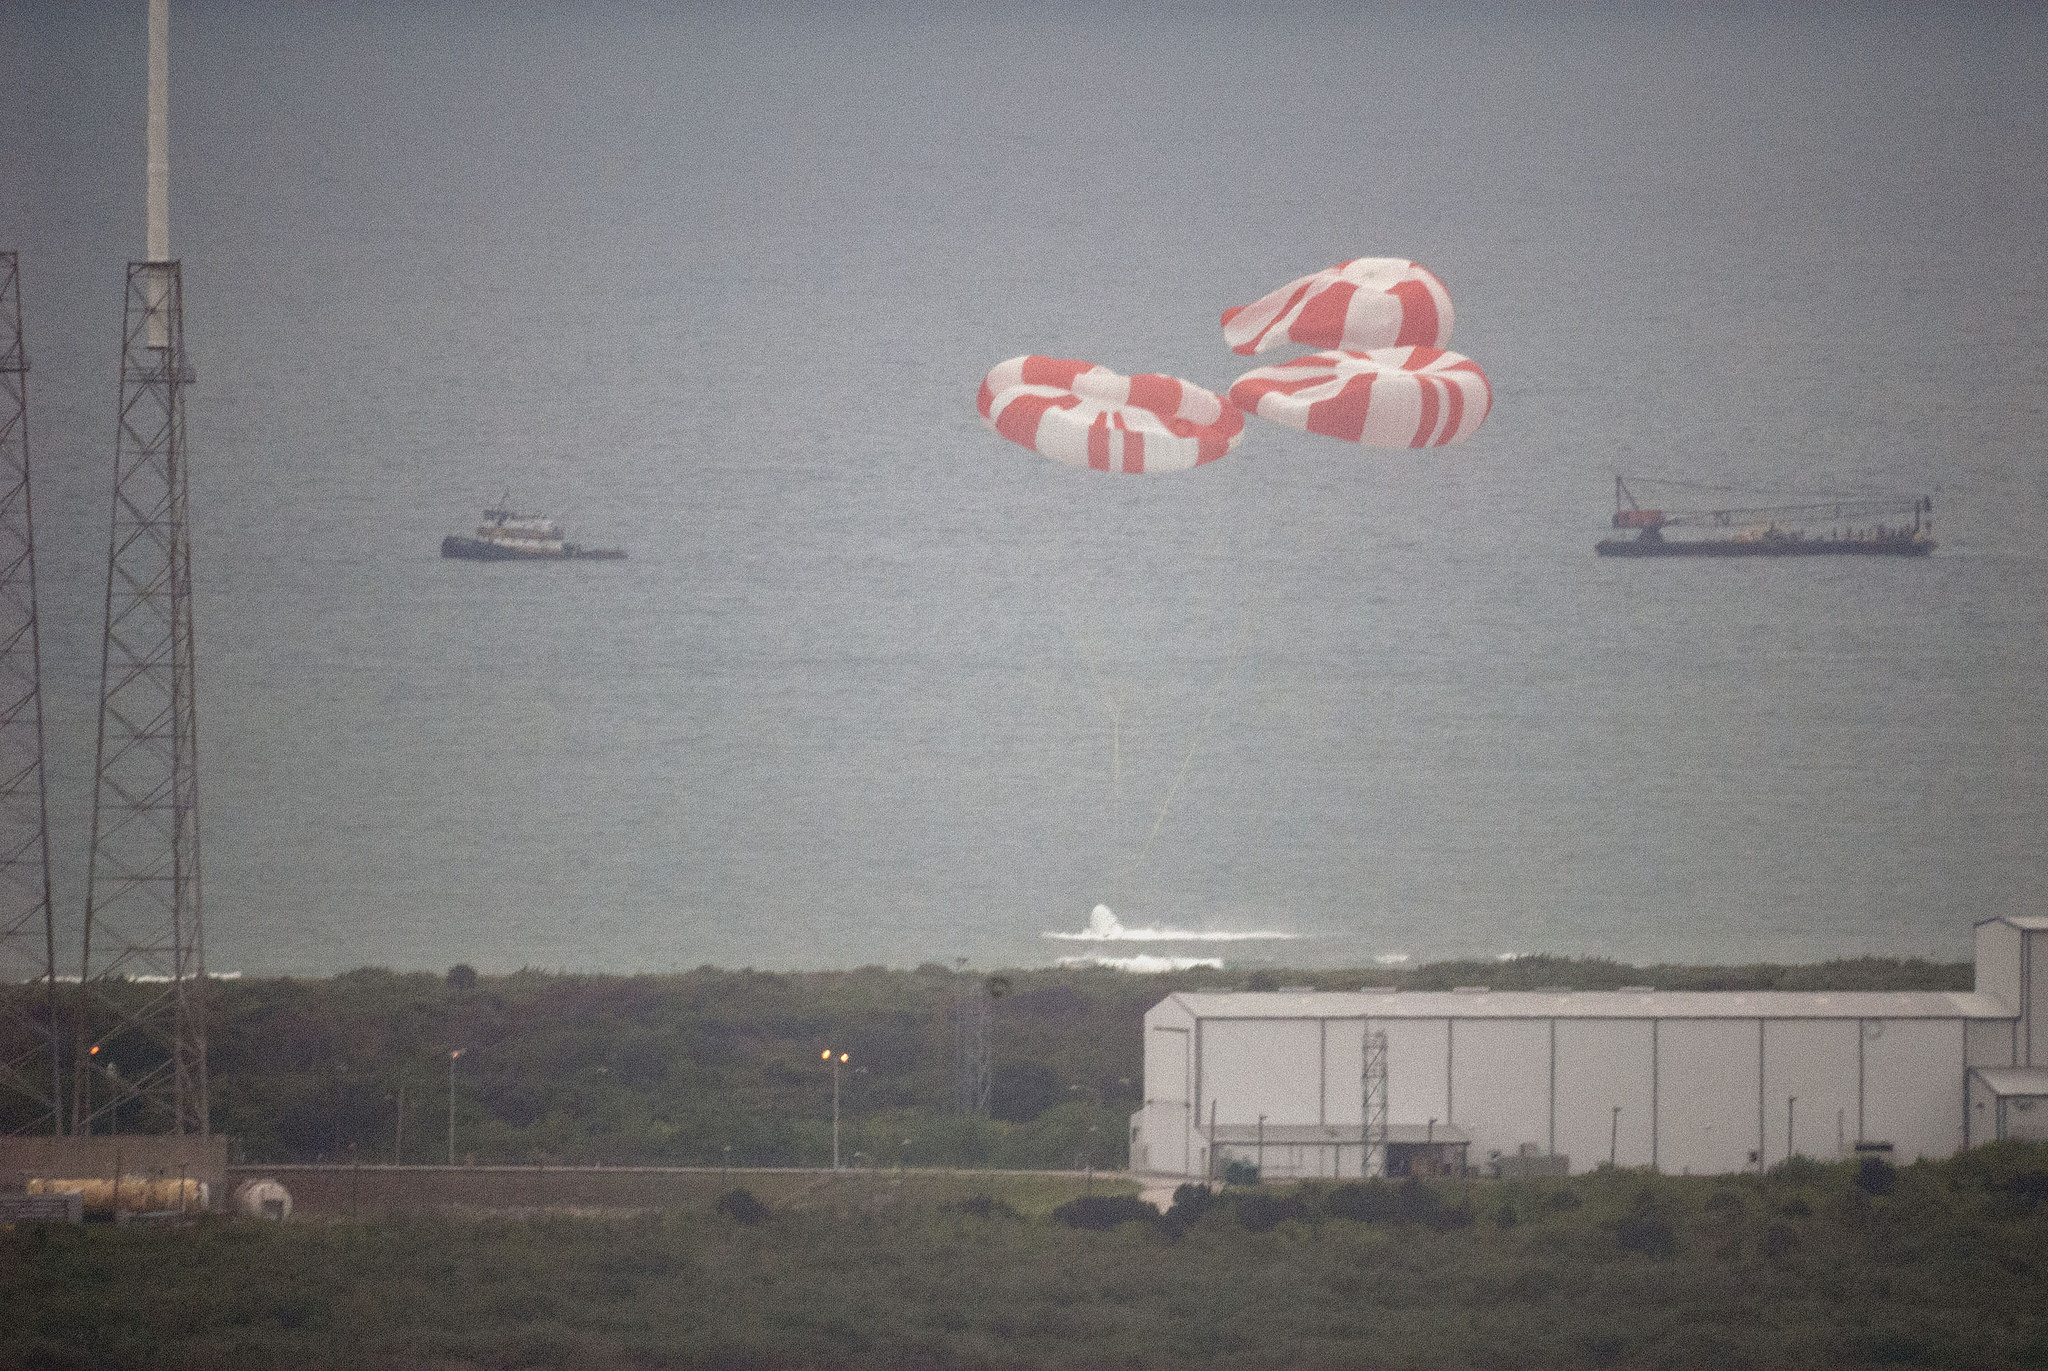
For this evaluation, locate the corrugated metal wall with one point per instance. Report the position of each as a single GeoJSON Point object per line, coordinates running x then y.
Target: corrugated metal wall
{"type": "Point", "coordinates": [1705, 1096]}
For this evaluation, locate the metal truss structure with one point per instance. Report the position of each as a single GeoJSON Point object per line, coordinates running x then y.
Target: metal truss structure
{"type": "Point", "coordinates": [31, 1069]}
{"type": "Point", "coordinates": [1375, 1102]}
{"type": "Point", "coordinates": [141, 1020]}
{"type": "Point", "coordinates": [971, 1075]}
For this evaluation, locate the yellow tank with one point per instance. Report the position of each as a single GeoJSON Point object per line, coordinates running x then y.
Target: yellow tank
{"type": "Point", "coordinates": [134, 1194]}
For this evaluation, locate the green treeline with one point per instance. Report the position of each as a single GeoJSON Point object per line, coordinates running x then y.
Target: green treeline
{"type": "Point", "coordinates": [676, 1069]}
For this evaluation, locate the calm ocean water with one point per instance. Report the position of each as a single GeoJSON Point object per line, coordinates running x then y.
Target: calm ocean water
{"type": "Point", "coordinates": [718, 284]}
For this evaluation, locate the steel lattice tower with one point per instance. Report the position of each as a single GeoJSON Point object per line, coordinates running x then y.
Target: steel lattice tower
{"type": "Point", "coordinates": [1374, 1163]}
{"type": "Point", "coordinates": [30, 1036]}
{"type": "Point", "coordinates": [143, 1003]}
{"type": "Point", "coordinates": [971, 1049]}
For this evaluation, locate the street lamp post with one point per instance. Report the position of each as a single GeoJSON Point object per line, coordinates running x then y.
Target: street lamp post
{"type": "Point", "coordinates": [451, 1104]}
{"type": "Point", "coordinates": [1790, 1100]}
{"type": "Point", "coordinates": [1614, 1137]}
{"type": "Point", "coordinates": [838, 1060]}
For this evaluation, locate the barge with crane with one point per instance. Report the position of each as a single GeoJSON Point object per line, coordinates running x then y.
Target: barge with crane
{"type": "Point", "coordinates": [1871, 526]}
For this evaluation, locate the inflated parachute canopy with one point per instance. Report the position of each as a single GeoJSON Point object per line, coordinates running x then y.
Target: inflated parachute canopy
{"type": "Point", "coordinates": [1084, 415]}
{"type": "Point", "coordinates": [1366, 303]}
{"type": "Point", "coordinates": [1388, 397]}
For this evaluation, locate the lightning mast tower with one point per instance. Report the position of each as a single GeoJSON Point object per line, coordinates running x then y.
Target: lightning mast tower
{"type": "Point", "coordinates": [30, 1038]}
{"type": "Point", "coordinates": [971, 1049]}
{"type": "Point", "coordinates": [141, 1021]}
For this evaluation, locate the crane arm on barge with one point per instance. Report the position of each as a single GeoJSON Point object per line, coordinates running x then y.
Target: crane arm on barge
{"type": "Point", "coordinates": [1899, 525]}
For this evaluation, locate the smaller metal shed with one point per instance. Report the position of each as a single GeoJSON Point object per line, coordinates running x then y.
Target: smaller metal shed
{"type": "Point", "coordinates": [2009, 1102]}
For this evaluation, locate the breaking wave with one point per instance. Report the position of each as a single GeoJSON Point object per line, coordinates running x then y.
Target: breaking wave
{"type": "Point", "coordinates": [1105, 927]}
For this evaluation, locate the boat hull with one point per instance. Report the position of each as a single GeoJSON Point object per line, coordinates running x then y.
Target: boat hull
{"type": "Point", "coordinates": [479, 550]}
{"type": "Point", "coordinates": [1904, 545]}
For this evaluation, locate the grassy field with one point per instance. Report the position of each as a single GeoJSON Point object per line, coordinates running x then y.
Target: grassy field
{"type": "Point", "coordinates": [1813, 1266]}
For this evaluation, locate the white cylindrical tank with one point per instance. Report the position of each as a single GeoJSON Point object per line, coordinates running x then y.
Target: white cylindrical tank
{"type": "Point", "coordinates": [263, 1198]}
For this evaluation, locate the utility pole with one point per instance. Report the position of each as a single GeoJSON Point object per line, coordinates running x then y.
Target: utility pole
{"type": "Point", "coordinates": [451, 1104]}
{"type": "Point", "coordinates": [838, 1060]}
{"type": "Point", "coordinates": [1614, 1138]}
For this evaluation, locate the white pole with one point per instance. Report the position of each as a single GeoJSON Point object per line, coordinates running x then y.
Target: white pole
{"type": "Point", "coordinates": [835, 1113]}
{"type": "Point", "coordinates": [159, 131]}
{"type": "Point", "coordinates": [451, 1104]}
{"type": "Point", "coordinates": [159, 243]}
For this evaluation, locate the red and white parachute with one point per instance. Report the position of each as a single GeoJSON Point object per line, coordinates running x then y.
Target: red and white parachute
{"type": "Point", "coordinates": [1366, 303]}
{"type": "Point", "coordinates": [1389, 397]}
{"type": "Point", "coordinates": [1089, 416]}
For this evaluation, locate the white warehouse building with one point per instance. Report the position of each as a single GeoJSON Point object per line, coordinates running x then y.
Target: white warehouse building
{"type": "Point", "coordinates": [1702, 1082]}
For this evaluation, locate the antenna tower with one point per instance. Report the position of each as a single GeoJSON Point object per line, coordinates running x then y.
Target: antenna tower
{"type": "Point", "coordinates": [31, 1073]}
{"type": "Point", "coordinates": [1375, 1128]}
{"type": "Point", "coordinates": [142, 1025]}
{"type": "Point", "coordinates": [971, 1049]}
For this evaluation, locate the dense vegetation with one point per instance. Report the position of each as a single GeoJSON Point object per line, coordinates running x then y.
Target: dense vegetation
{"type": "Point", "coordinates": [679, 1068]}
{"type": "Point", "coordinates": [1935, 1265]}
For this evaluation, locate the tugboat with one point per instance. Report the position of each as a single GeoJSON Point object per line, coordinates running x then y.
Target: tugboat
{"type": "Point", "coordinates": [1883, 526]}
{"type": "Point", "coordinates": [507, 536]}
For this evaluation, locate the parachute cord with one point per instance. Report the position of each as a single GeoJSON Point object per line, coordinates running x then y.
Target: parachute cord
{"type": "Point", "coordinates": [1248, 620]}
{"type": "Point", "coordinates": [1116, 794]}
{"type": "Point", "coordinates": [1110, 701]}
{"type": "Point", "coordinates": [1208, 717]}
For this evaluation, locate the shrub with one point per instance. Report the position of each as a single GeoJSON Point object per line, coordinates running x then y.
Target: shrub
{"type": "Point", "coordinates": [1240, 1173]}
{"type": "Point", "coordinates": [1647, 1234]}
{"type": "Point", "coordinates": [1563, 1199]}
{"type": "Point", "coordinates": [1876, 1176]}
{"type": "Point", "coordinates": [1361, 1201]}
{"type": "Point", "coordinates": [739, 1205]}
{"type": "Point", "coordinates": [1259, 1212]}
{"type": "Point", "coordinates": [1726, 1202]}
{"type": "Point", "coordinates": [462, 976]}
{"type": "Point", "coordinates": [2031, 1186]}
{"type": "Point", "coordinates": [1102, 1212]}
{"type": "Point", "coordinates": [985, 1207]}
{"type": "Point", "coordinates": [1797, 1170]}
{"type": "Point", "coordinates": [1505, 1216]}
{"type": "Point", "coordinates": [1190, 1203]}
{"type": "Point", "coordinates": [1780, 1241]}
{"type": "Point", "coordinates": [1374, 1201]}
{"type": "Point", "coordinates": [1998, 1166]}
{"type": "Point", "coordinates": [1446, 1217]}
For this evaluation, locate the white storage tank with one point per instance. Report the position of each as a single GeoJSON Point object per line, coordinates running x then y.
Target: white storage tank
{"type": "Point", "coordinates": [263, 1198]}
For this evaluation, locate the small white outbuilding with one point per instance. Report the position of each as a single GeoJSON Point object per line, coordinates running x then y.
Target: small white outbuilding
{"type": "Point", "coordinates": [1703, 1082]}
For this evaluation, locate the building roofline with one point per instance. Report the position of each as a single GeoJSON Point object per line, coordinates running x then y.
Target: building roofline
{"type": "Point", "coordinates": [1592, 1004]}
{"type": "Point", "coordinates": [2029, 923]}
